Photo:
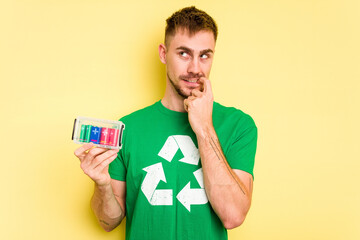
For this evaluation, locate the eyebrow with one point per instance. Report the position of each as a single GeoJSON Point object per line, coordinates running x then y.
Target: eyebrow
{"type": "Point", "coordinates": [191, 50]}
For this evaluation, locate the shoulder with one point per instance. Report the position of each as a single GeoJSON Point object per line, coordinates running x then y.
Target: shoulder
{"type": "Point", "coordinates": [138, 122]}
{"type": "Point", "coordinates": [232, 114]}
{"type": "Point", "coordinates": [140, 114]}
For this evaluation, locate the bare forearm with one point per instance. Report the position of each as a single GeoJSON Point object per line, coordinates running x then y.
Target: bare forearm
{"type": "Point", "coordinates": [106, 208]}
{"type": "Point", "coordinates": [228, 195]}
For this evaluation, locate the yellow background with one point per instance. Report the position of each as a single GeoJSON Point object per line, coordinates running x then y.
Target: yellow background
{"type": "Point", "coordinates": [292, 65]}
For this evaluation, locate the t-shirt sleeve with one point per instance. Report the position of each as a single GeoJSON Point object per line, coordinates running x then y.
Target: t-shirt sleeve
{"type": "Point", "coordinates": [117, 168]}
{"type": "Point", "coordinates": [241, 154]}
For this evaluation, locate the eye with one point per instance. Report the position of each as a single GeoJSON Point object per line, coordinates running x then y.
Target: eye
{"type": "Point", "coordinates": [204, 56]}
{"type": "Point", "coordinates": [183, 54]}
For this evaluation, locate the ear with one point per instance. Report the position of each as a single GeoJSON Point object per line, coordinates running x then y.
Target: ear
{"type": "Point", "coordinates": [162, 53]}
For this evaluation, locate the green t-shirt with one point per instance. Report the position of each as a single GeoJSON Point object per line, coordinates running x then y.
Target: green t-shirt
{"type": "Point", "coordinates": [160, 162]}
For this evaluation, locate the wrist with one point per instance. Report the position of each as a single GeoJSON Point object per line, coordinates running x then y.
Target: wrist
{"type": "Point", "coordinates": [103, 187]}
{"type": "Point", "coordinates": [205, 131]}
{"type": "Point", "coordinates": [102, 181]}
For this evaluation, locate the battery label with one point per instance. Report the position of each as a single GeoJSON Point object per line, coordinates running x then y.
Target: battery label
{"type": "Point", "coordinates": [82, 133]}
{"type": "Point", "coordinates": [114, 136]}
{"type": "Point", "coordinates": [104, 139]}
{"type": "Point", "coordinates": [87, 134]}
{"type": "Point", "coordinates": [95, 134]}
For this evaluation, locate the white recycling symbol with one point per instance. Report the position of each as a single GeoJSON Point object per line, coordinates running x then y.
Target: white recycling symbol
{"type": "Point", "coordinates": [155, 173]}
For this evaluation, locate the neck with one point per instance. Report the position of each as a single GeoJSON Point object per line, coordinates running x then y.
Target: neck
{"type": "Point", "coordinates": [172, 100]}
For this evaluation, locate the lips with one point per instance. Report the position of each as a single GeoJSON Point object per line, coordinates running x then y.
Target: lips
{"type": "Point", "coordinates": [190, 80]}
{"type": "Point", "coordinates": [191, 83]}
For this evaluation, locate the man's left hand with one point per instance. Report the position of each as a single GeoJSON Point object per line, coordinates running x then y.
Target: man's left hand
{"type": "Point", "coordinates": [200, 106]}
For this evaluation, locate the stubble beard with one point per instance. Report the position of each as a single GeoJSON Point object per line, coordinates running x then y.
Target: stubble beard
{"type": "Point", "coordinates": [177, 88]}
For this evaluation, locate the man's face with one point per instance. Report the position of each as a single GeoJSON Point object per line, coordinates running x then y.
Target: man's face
{"type": "Point", "coordinates": [187, 59]}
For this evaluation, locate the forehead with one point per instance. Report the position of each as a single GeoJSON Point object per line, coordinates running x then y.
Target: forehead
{"type": "Point", "coordinates": [198, 41]}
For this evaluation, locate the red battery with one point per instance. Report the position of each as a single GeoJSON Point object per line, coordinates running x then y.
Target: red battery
{"type": "Point", "coordinates": [113, 136]}
{"type": "Point", "coordinates": [104, 138]}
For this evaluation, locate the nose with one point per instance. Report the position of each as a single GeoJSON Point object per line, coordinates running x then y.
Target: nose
{"type": "Point", "coordinates": [194, 66]}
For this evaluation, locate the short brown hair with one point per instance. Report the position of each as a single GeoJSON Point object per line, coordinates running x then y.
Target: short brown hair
{"type": "Point", "coordinates": [190, 19]}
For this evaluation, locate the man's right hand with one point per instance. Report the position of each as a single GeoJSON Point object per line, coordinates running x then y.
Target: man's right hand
{"type": "Point", "coordinates": [95, 162]}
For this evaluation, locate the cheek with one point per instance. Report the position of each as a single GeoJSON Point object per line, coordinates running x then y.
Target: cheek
{"type": "Point", "coordinates": [206, 68]}
{"type": "Point", "coordinates": [179, 67]}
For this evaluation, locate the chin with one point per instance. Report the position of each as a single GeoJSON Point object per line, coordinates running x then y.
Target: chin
{"type": "Point", "coordinates": [183, 92]}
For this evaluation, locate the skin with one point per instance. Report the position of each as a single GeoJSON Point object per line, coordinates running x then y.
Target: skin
{"type": "Point", "coordinates": [108, 201]}
{"type": "Point", "coordinates": [188, 61]}
{"type": "Point", "coordinates": [185, 57]}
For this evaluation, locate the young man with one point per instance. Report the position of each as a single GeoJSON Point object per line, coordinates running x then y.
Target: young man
{"type": "Point", "coordinates": [186, 167]}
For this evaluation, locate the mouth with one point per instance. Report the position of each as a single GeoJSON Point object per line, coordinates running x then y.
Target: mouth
{"type": "Point", "coordinates": [192, 83]}
{"type": "Point", "coordinates": [191, 80]}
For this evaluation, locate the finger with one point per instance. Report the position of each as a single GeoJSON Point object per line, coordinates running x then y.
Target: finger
{"type": "Point", "coordinates": [196, 93]}
{"type": "Point", "coordinates": [93, 158]}
{"type": "Point", "coordinates": [105, 163]}
{"type": "Point", "coordinates": [186, 105]}
{"type": "Point", "coordinates": [206, 84]}
{"type": "Point", "coordinates": [201, 81]}
{"type": "Point", "coordinates": [103, 157]}
{"type": "Point", "coordinates": [81, 151]}
{"type": "Point", "coordinates": [188, 102]}
{"type": "Point", "coordinates": [92, 154]}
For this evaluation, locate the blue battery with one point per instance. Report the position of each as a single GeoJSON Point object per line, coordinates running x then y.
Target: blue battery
{"type": "Point", "coordinates": [95, 134]}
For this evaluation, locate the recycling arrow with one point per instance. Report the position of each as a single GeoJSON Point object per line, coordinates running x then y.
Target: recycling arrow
{"type": "Point", "coordinates": [186, 145]}
{"type": "Point", "coordinates": [193, 196]}
{"type": "Point", "coordinates": [199, 177]}
{"type": "Point", "coordinates": [155, 174]}
{"type": "Point", "coordinates": [188, 196]}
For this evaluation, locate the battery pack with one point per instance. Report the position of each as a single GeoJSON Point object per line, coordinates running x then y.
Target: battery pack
{"type": "Point", "coordinates": [101, 132]}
